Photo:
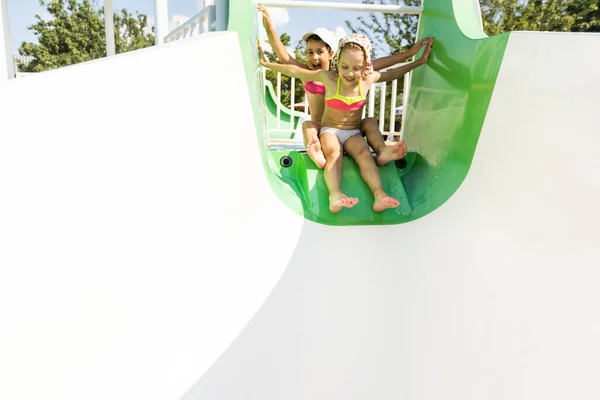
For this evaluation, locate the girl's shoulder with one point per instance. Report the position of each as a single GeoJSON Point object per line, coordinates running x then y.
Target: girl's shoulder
{"type": "Point", "coordinates": [331, 76]}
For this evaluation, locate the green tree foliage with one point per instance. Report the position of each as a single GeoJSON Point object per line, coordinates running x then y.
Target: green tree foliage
{"type": "Point", "coordinates": [398, 31]}
{"type": "Point", "coordinates": [393, 33]}
{"type": "Point", "coordinates": [538, 15]}
{"type": "Point", "coordinates": [76, 33]}
{"type": "Point", "coordinates": [389, 33]}
{"type": "Point", "coordinates": [131, 31]}
{"type": "Point", "coordinates": [286, 81]}
{"type": "Point", "coordinates": [587, 14]}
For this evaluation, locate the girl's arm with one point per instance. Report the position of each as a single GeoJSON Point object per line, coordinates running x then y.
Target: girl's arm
{"type": "Point", "coordinates": [396, 73]}
{"type": "Point", "coordinates": [278, 47]}
{"type": "Point", "coordinates": [293, 70]}
{"type": "Point", "coordinates": [296, 72]}
{"type": "Point", "coordinates": [388, 61]}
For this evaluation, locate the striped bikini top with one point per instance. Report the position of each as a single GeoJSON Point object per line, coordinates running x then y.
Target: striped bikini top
{"type": "Point", "coordinates": [345, 103]}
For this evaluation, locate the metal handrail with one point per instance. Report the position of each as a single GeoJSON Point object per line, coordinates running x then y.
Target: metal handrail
{"type": "Point", "coordinates": [322, 5]}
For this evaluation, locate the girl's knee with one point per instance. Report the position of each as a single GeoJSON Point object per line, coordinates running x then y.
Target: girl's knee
{"type": "Point", "coordinates": [363, 155]}
{"type": "Point", "coordinates": [369, 123]}
{"type": "Point", "coordinates": [332, 155]}
{"type": "Point", "coordinates": [309, 124]}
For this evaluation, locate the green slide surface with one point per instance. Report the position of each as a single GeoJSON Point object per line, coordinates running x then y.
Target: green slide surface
{"type": "Point", "coordinates": [449, 97]}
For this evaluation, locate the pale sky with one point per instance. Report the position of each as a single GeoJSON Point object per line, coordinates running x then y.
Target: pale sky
{"type": "Point", "coordinates": [294, 22]}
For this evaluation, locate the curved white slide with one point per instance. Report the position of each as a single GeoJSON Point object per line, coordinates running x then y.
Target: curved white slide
{"type": "Point", "coordinates": [136, 239]}
{"type": "Point", "coordinates": [138, 260]}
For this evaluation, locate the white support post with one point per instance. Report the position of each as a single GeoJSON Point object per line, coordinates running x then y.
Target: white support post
{"type": "Point", "coordinates": [7, 65]}
{"type": "Point", "coordinates": [205, 21]}
{"type": "Point", "coordinates": [222, 14]}
{"type": "Point", "coordinates": [382, 107]}
{"type": "Point", "coordinates": [405, 93]}
{"type": "Point", "coordinates": [278, 100]}
{"type": "Point", "coordinates": [109, 27]}
{"type": "Point", "coordinates": [393, 107]}
{"type": "Point", "coordinates": [204, 24]}
{"type": "Point", "coordinates": [372, 101]}
{"type": "Point", "coordinates": [292, 100]}
{"type": "Point", "coordinates": [161, 21]}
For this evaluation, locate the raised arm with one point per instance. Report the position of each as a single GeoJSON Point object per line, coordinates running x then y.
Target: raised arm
{"type": "Point", "coordinates": [296, 72]}
{"type": "Point", "coordinates": [396, 73]}
{"type": "Point", "coordinates": [388, 61]}
{"type": "Point", "coordinates": [292, 70]}
{"type": "Point", "coordinates": [278, 47]}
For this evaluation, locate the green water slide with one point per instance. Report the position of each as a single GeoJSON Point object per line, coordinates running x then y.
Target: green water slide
{"type": "Point", "coordinates": [448, 100]}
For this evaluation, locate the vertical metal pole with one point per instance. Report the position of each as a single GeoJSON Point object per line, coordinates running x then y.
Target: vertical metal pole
{"type": "Point", "coordinates": [109, 27]}
{"type": "Point", "coordinates": [7, 65]}
{"type": "Point", "coordinates": [206, 19]}
{"type": "Point", "coordinates": [382, 107]}
{"type": "Point", "coordinates": [407, 78]}
{"type": "Point", "coordinates": [278, 100]}
{"type": "Point", "coordinates": [372, 101]}
{"type": "Point", "coordinates": [222, 13]}
{"type": "Point", "coordinates": [292, 100]}
{"type": "Point", "coordinates": [161, 21]}
{"type": "Point", "coordinates": [393, 107]}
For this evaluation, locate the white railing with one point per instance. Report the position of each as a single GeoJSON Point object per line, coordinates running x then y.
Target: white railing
{"type": "Point", "coordinates": [24, 60]}
{"type": "Point", "coordinates": [369, 111]}
{"type": "Point", "coordinates": [204, 21]}
{"type": "Point", "coordinates": [392, 133]}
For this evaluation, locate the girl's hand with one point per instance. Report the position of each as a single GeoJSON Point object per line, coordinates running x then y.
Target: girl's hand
{"type": "Point", "coordinates": [417, 46]}
{"type": "Point", "coordinates": [265, 15]}
{"type": "Point", "coordinates": [261, 54]}
{"type": "Point", "coordinates": [427, 51]}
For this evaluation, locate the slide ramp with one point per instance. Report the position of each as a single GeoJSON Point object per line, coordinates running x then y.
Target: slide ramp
{"type": "Point", "coordinates": [132, 268]}
{"type": "Point", "coordinates": [493, 295]}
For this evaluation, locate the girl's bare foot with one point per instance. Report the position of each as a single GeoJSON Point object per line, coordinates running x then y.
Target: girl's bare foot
{"type": "Point", "coordinates": [313, 149]}
{"type": "Point", "coordinates": [384, 201]}
{"type": "Point", "coordinates": [391, 153]}
{"type": "Point", "coordinates": [339, 200]}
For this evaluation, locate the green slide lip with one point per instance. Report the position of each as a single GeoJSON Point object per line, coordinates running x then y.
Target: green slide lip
{"type": "Point", "coordinates": [449, 98]}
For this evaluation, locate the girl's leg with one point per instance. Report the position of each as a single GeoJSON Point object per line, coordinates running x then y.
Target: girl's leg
{"type": "Point", "coordinates": [370, 127]}
{"type": "Point", "coordinates": [332, 172]}
{"type": "Point", "coordinates": [385, 153]}
{"type": "Point", "coordinates": [310, 132]}
{"type": "Point", "coordinates": [356, 148]}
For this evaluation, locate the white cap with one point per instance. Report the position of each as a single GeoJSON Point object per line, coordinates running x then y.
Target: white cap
{"type": "Point", "coordinates": [325, 35]}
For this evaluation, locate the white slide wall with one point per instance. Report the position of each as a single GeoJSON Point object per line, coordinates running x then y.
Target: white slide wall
{"type": "Point", "coordinates": [132, 252]}
{"type": "Point", "coordinates": [130, 264]}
